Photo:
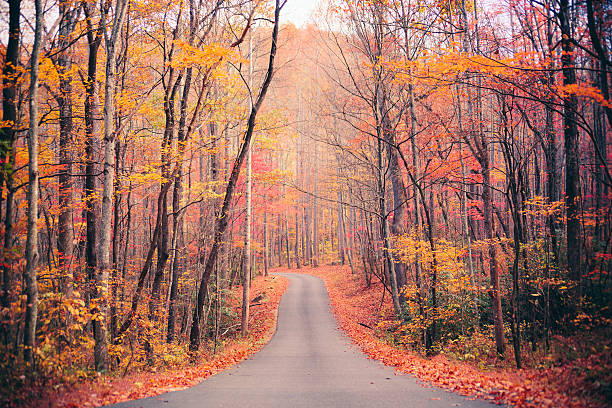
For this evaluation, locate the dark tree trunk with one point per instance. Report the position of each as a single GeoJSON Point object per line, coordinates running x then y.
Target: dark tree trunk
{"type": "Point", "coordinates": [162, 208]}
{"type": "Point", "coordinates": [64, 234]}
{"type": "Point", "coordinates": [31, 249]}
{"type": "Point", "coordinates": [572, 153]}
{"type": "Point", "coordinates": [490, 235]}
{"type": "Point", "coordinates": [7, 139]}
{"type": "Point", "coordinates": [94, 39]}
{"type": "Point", "coordinates": [222, 220]}
{"type": "Point", "coordinates": [176, 203]}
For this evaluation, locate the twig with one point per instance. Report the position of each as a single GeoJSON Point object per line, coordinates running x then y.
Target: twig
{"type": "Point", "coordinates": [365, 325]}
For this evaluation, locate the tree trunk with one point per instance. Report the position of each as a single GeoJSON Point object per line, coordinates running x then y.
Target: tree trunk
{"type": "Point", "coordinates": [315, 215]}
{"type": "Point", "coordinates": [177, 227]}
{"type": "Point", "coordinates": [297, 241]}
{"type": "Point", "coordinates": [162, 208]}
{"type": "Point", "coordinates": [266, 243]}
{"type": "Point", "coordinates": [246, 275]}
{"type": "Point", "coordinates": [572, 153]}
{"type": "Point", "coordinates": [179, 239]}
{"type": "Point", "coordinates": [246, 263]}
{"type": "Point", "coordinates": [31, 283]}
{"type": "Point", "coordinates": [221, 222]}
{"type": "Point", "coordinates": [64, 233]}
{"type": "Point", "coordinates": [116, 245]}
{"type": "Point", "coordinates": [94, 39]}
{"type": "Point", "coordinates": [102, 273]}
{"type": "Point", "coordinates": [341, 238]}
{"type": "Point", "coordinates": [490, 235]}
{"type": "Point", "coordinates": [7, 139]}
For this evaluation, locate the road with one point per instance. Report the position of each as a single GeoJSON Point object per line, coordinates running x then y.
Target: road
{"type": "Point", "coordinates": [308, 363]}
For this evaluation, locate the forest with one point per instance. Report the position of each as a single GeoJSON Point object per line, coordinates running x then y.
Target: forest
{"type": "Point", "coordinates": [161, 159]}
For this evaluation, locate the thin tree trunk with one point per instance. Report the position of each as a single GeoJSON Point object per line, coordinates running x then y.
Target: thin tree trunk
{"type": "Point", "coordinates": [493, 267]}
{"type": "Point", "coordinates": [102, 273]}
{"type": "Point", "coordinates": [280, 242]}
{"type": "Point", "coordinates": [315, 215]}
{"type": "Point", "coordinates": [298, 263]}
{"type": "Point", "coordinates": [31, 283]}
{"type": "Point", "coordinates": [64, 233]}
{"type": "Point", "coordinates": [349, 246]}
{"type": "Point", "coordinates": [572, 153]}
{"type": "Point", "coordinates": [162, 208]}
{"type": "Point", "coordinates": [341, 237]}
{"type": "Point", "coordinates": [246, 263]}
{"type": "Point", "coordinates": [179, 239]}
{"type": "Point", "coordinates": [266, 243]}
{"type": "Point", "coordinates": [222, 220]}
{"type": "Point", "coordinates": [246, 275]}
{"type": "Point", "coordinates": [116, 246]}
{"type": "Point", "coordinates": [177, 226]}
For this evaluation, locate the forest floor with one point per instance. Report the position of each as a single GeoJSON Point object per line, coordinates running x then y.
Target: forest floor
{"type": "Point", "coordinates": [112, 389]}
{"type": "Point", "coordinates": [563, 378]}
{"type": "Point", "coordinates": [582, 381]}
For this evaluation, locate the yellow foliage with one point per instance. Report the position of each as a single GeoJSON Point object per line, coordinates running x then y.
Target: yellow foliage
{"type": "Point", "coordinates": [208, 57]}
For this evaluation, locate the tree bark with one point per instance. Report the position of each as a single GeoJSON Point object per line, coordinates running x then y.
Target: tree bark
{"type": "Point", "coordinates": [572, 153]}
{"type": "Point", "coordinates": [103, 255]}
{"type": "Point", "coordinates": [177, 227]}
{"type": "Point", "coordinates": [495, 294]}
{"type": "Point", "coordinates": [94, 39]}
{"type": "Point", "coordinates": [65, 244]}
{"type": "Point", "coordinates": [246, 262]}
{"type": "Point", "coordinates": [31, 283]}
{"type": "Point", "coordinates": [7, 139]}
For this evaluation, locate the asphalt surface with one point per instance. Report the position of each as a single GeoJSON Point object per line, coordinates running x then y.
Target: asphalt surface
{"type": "Point", "coordinates": [308, 363]}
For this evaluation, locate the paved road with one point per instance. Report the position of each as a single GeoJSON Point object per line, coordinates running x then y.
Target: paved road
{"type": "Point", "coordinates": [308, 363]}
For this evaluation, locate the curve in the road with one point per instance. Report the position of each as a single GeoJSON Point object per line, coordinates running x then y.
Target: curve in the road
{"type": "Point", "coordinates": [308, 363]}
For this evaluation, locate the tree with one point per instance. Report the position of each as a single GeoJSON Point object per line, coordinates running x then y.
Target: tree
{"type": "Point", "coordinates": [29, 336]}
{"type": "Point", "coordinates": [221, 222]}
{"type": "Point", "coordinates": [570, 133]}
{"type": "Point", "coordinates": [104, 242]}
{"type": "Point", "coordinates": [7, 140]}
{"type": "Point", "coordinates": [65, 246]}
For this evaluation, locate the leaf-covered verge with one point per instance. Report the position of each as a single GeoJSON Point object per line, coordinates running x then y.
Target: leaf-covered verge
{"type": "Point", "coordinates": [157, 380]}
{"type": "Point", "coordinates": [577, 374]}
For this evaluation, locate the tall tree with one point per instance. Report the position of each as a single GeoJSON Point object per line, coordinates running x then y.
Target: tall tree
{"type": "Point", "coordinates": [7, 139]}
{"type": "Point", "coordinates": [103, 256]}
{"type": "Point", "coordinates": [570, 132]}
{"type": "Point", "coordinates": [68, 19]}
{"type": "Point", "coordinates": [31, 287]}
